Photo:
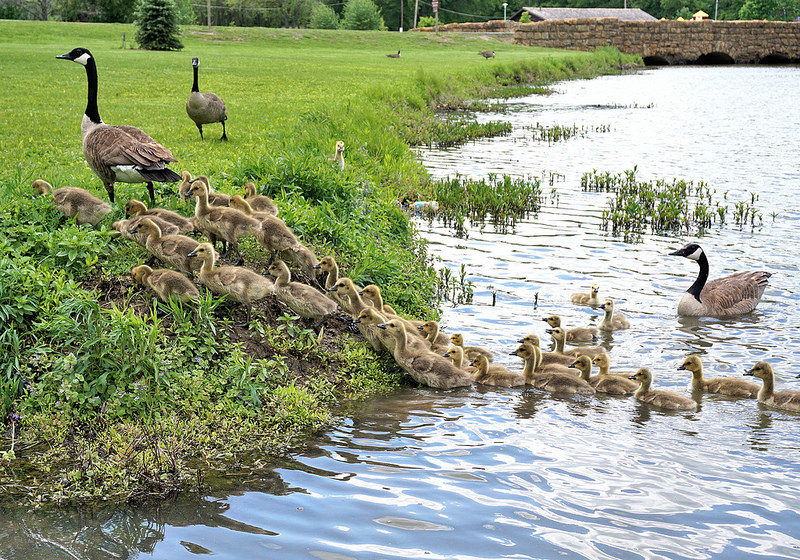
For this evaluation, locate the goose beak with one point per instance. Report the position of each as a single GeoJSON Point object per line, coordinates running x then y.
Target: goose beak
{"type": "Point", "coordinates": [679, 253]}
{"type": "Point", "coordinates": [573, 365]}
{"type": "Point", "coordinates": [333, 289]}
{"type": "Point", "coordinates": [192, 254]}
{"type": "Point", "coordinates": [472, 363]}
{"type": "Point", "coordinates": [361, 292]}
{"type": "Point", "coordinates": [681, 367]}
{"type": "Point", "coordinates": [544, 319]}
{"type": "Point", "coordinates": [446, 354]}
{"type": "Point", "coordinates": [632, 378]}
{"type": "Point", "coordinates": [382, 326]}
{"type": "Point", "coordinates": [420, 327]}
{"type": "Point", "coordinates": [64, 56]}
{"type": "Point", "coordinates": [514, 353]}
{"type": "Point", "coordinates": [748, 372]}
{"type": "Point", "coordinates": [549, 331]}
{"type": "Point", "coordinates": [521, 341]}
{"type": "Point", "coordinates": [602, 306]}
{"type": "Point", "coordinates": [357, 320]}
{"type": "Point", "coordinates": [132, 230]}
{"type": "Point", "coordinates": [317, 267]}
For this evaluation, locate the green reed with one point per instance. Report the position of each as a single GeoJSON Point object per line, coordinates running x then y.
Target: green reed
{"type": "Point", "coordinates": [557, 132]}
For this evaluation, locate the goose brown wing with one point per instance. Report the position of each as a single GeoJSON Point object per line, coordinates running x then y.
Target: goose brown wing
{"type": "Point", "coordinates": [735, 293]}
{"type": "Point", "coordinates": [126, 145]}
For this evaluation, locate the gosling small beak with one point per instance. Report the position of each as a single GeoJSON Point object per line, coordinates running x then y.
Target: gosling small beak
{"type": "Point", "coordinates": [521, 341]}
{"type": "Point", "coordinates": [446, 354]}
{"type": "Point", "coordinates": [573, 365]}
{"type": "Point", "coordinates": [333, 289]}
{"type": "Point", "coordinates": [632, 378]}
{"type": "Point", "coordinates": [357, 320]}
{"type": "Point", "coordinates": [382, 326]}
{"type": "Point", "coordinates": [549, 331]}
{"type": "Point", "coordinates": [192, 254]}
{"type": "Point", "coordinates": [361, 292]}
{"type": "Point", "coordinates": [748, 372]}
{"type": "Point", "coordinates": [317, 267]}
{"type": "Point", "coordinates": [602, 306]}
{"type": "Point", "coordinates": [681, 367]}
{"type": "Point", "coordinates": [420, 327]}
{"type": "Point", "coordinates": [133, 230]}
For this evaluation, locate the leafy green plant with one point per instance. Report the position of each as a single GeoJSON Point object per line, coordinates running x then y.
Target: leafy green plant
{"type": "Point", "coordinates": [362, 15]}
{"type": "Point", "coordinates": [157, 22]}
{"type": "Point", "coordinates": [323, 17]}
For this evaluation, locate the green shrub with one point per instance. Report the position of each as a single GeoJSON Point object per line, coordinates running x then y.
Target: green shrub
{"type": "Point", "coordinates": [323, 17]}
{"type": "Point", "coordinates": [426, 21]}
{"type": "Point", "coordinates": [362, 15]}
{"type": "Point", "coordinates": [157, 23]}
{"type": "Point", "coordinates": [525, 18]}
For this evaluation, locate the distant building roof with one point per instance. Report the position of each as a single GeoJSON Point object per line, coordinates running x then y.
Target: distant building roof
{"type": "Point", "coordinates": [545, 14]}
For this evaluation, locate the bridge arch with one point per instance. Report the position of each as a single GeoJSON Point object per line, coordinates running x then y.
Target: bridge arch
{"type": "Point", "coordinates": [776, 58]}
{"type": "Point", "coordinates": [715, 58]}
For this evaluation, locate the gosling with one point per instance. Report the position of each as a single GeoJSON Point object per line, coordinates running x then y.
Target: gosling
{"type": "Point", "coordinates": [74, 202]}
{"type": "Point", "coordinates": [169, 249]}
{"type": "Point", "coordinates": [578, 334]}
{"type": "Point", "coordinates": [137, 208]}
{"type": "Point", "coordinates": [587, 299]}
{"type": "Point", "coordinates": [785, 400]}
{"type": "Point", "coordinates": [373, 294]}
{"type": "Point", "coordinates": [612, 321]}
{"type": "Point", "coordinates": [456, 355]}
{"type": "Point", "coordinates": [338, 155]}
{"type": "Point", "coordinates": [661, 398]}
{"type": "Point", "coordinates": [547, 358]}
{"type": "Point", "coordinates": [608, 384]}
{"type": "Point", "coordinates": [124, 228]}
{"type": "Point", "coordinates": [259, 202]}
{"type": "Point", "coordinates": [497, 376]}
{"type": "Point", "coordinates": [559, 336]}
{"type": "Point", "coordinates": [551, 381]}
{"type": "Point", "coordinates": [470, 352]}
{"type": "Point", "coordinates": [301, 298]}
{"type": "Point", "coordinates": [731, 386]}
{"type": "Point", "coordinates": [166, 284]}
{"type": "Point", "coordinates": [214, 198]}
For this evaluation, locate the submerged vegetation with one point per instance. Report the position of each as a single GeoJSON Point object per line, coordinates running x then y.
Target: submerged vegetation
{"type": "Point", "coordinates": [107, 393]}
{"type": "Point", "coordinates": [661, 205]}
{"type": "Point", "coordinates": [557, 133]}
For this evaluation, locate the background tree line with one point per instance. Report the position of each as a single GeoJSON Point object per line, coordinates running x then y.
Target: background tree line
{"type": "Point", "coordinates": [302, 13]}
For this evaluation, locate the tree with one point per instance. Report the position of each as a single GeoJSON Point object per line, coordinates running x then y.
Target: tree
{"type": "Point", "coordinates": [758, 9]}
{"type": "Point", "coordinates": [323, 17]}
{"type": "Point", "coordinates": [157, 22]}
{"type": "Point", "coordinates": [362, 15]}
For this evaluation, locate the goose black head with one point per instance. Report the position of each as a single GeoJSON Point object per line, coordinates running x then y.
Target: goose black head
{"type": "Point", "coordinates": [690, 251]}
{"type": "Point", "coordinates": [78, 54]}
{"type": "Point", "coordinates": [195, 62]}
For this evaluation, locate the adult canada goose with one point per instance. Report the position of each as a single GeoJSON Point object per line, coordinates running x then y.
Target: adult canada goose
{"type": "Point", "coordinates": [338, 155]}
{"type": "Point", "coordinates": [470, 352]}
{"type": "Point", "coordinates": [220, 222]}
{"type": "Point", "coordinates": [425, 367]}
{"type": "Point", "coordinates": [394, 55]}
{"type": "Point", "coordinates": [578, 334]}
{"type": "Point", "coordinates": [456, 355]}
{"type": "Point", "coordinates": [487, 54]}
{"type": "Point", "coordinates": [205, 108]}
{"type": "Point", "coordinates": [612, 321]}
{"type": "Point", "coordinates": [552, 381]}
{"type": "Point", "coordinates": [661, 398]}
{"type": "Point", "coordinates": [166, 283]}
{"type": "Point", "coordinates": [74, 202]}
{"type": "Point", "coordinates": [547, 358]}
{"type": "Point", "coordinates": [734, 294]}
{"type": "Point", "coordinates": [214, 198]}
{"type": "Point", "coordinates": [587, 299]}
{"type": "Point", "coordinates": [137, 208]}
{"type": "Point", "coordinates": [301, 298]}
{"type": "Point", "coordinates": [731, 386]}
{"type": "Point", "coordinates": [373, 294]}
{"type": "Point", "coordinates": [497, 376]}
{"type": "Point", "coordinates": [603, 383]}
{"type": "Point", "coordinates": [559, 335]}
{"type": "Point", "coordinates": [238, 283]}
{"type": "Point", "coordinates": [787, 400]}
{"type": "Point", "coordinates": [169, 249]}
{"type": "Point", "coordinates": [259, 202]}
{"type": "Point", "coordinates": [120, 153]}
{"type": "Point", "coordinates": [124, 227]}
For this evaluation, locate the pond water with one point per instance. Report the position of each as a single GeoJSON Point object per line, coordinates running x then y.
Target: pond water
{"type": "Point", "coordinates": [485, 473]}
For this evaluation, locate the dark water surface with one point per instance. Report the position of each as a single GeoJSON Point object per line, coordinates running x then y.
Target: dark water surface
{"type": "Point", "coordinates": [517, 473]}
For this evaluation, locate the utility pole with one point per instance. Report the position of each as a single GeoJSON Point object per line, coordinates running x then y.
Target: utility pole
{"type": "Point", "coordinates": [401, 14]}
{"type": "Point", "coordinates": [208, 13]}
{"type": "Point", "coordinates": [435, 6]}
{"type": "Point", "coordinates": [416, 10]}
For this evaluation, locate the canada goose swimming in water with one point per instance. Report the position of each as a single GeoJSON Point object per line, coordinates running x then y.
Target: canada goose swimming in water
{"type": "Point", "coordinates": [587, 299]}
{"type": "Point", "coordinates": [547, 358]}
{"type": "Point", "coordinates": [487, 54]}
{"type": "Point", "coordinates": [732, 386]}
{"type": "Point", "coordinates": [338, 155]}
{"type": "Point", "coordinates": [559, 335]}
{"type": "Point", "coordinates": [74, 202]}
{"type": "Point", "coordinates": [138, 208]}
{"type": "Point", "coordinates": [120, 153]}
{"type": "Point", "coordinates": [456, 355]}
{"type": "Point", "coordinates": [238, 283]}
{"type": "Point", "coordinates": [214, 198]}
{"type": "Point", "coordinates": [205, 108]}
{"type": "Point", "coordinates": [470, 352]}
{"type": "Point", "coordinates": [394, 55]}
{"type": "Point", "coordinates": [661, 398]}
{"type": "Point", "coordinates": [373, 294]}
{"type": "Point", "coordinates": [578, 334]}
{"type": "Point", "coordinates": [259, 202]}
{"type": "Point", "coordinates": [301, 298]}
{"type": "Point", "coordinates": [169, 249]}
{"type": "Point", "coordinates": [497, 376]}
{"type": "Point", "coordinates": [220, 222]}
{"type": "Point", "coordinates": [603, 382]}
{"type": "Point", "coordinates": [787, 400]}
{"type": "Point", "coordinates": [166, 283]}
{"type": "Point", "coordinates": [124, 227]}
{"type": "Point", "coordinates": [734, 294]}
{"type": "Point", "coordinates": [552, 381]}
{"type": "Point", "coordinates": [612, 321]}
{"type": "Point", "coordinates": [425, 367]}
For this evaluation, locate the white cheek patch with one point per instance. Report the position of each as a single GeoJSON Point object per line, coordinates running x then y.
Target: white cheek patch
{"type": "Point", "coordinates": [83, 59]}
{"type": "Point", "coordinates": [696, 255]}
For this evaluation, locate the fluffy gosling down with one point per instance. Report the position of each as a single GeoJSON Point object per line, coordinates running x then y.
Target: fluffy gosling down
{"type": "Point", "coordinates": [786, 400]}
{"type": "Point", "coordinates": [74, 202]}
{"type": "Point", "coordinates": [578, 334]}
{"type": "Point", "coordinates": [660, 398]}
{"type": "Point", "coordinates": [166, 284]}
{"type": "Point", "coordinates": [731, 386]}
{"type": "Point", "coordinates": [587, 299]}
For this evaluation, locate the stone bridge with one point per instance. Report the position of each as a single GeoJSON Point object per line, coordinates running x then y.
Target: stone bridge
{"type": "Point", "coordinates": [672, 42]}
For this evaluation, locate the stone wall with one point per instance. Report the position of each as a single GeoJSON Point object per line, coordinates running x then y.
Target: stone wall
{"type": "Point", "coordinates": [672, 42]}
{"type": "Point", "coordinates": [494, 26]}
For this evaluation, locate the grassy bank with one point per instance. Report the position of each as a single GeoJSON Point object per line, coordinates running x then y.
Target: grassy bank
{"type": "Point", "coordinates": [106, 393]}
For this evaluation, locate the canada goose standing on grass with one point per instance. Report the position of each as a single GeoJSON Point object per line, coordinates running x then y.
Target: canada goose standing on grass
{"type": "Point", "coordinates": [120, 153]}
{"type": "Point", "coordinates": [731, 386]}
{"type": "Point", "coordinates": [205, 108]}
{"type": "Point", "coordinates": [734, 294]}
{"type": "Point", "coordinates": [487, 54]}
{"type": "Point", "coordinates": [612, 321]}
{"type": "Point", "coordinates": [301, 298]}
{"type": "Point", "coordinates": [238, 283]}
{"type": "Point", "coordinates": [578, 334]}
{"type": "Point", "coordinates": [394, 55]}
{"type": "Point", "coordinates": [338, 155]}
{"type": "Point", "coordinates": [74, 202]}
{"type": "Point", "coordinates": [661, 398]}
{"type": "Point", "coordinates": [166, 283]}
{"type": "Point", "coordinates": [787, 400]}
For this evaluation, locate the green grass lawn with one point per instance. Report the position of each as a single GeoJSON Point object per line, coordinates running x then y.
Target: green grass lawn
{"type": "Point", "coordinates": [125, 398]}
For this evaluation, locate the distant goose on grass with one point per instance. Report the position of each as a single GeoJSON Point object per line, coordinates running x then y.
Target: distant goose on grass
{"type": "Point", "coordinates": [119, 153]}
{"type": "Point", "coordinates": [205, 108]}
{"type": "Point", "coordinates": [734, 294]}
{"type": "Point", "coordinates": [487, 54]}
{"type": "Point", "coordinates": [394, 55]}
